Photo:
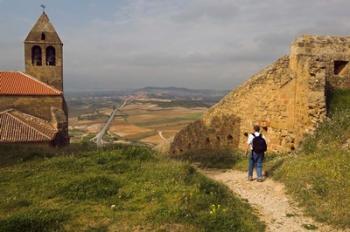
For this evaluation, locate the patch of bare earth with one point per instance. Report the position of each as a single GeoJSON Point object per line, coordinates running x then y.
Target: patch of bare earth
{"type": "Point", "coordinates": [125, 129]}
{"type": "Point", "coordinates": [276, 208]}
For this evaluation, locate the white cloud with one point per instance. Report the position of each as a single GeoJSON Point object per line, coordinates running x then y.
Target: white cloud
{"type": "Point", "coordinates": [191, 43]}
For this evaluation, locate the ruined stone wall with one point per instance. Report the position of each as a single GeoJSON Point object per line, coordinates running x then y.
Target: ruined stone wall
{"type": "Point", "coordinates": [310, 94]}
{"type": "Point", "coordinates": [332, 51]}
{"type": "Point", "coordinates": [208, 136]}
{"type": "Point", "coordinates": [287, 99]}
{"type": "Point", "coordinates": [267, 99]}
{"type": "Point", "coordinates": [323, 63]}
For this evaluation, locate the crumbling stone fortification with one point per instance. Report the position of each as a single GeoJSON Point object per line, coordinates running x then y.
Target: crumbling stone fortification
{"type": "Point", "coordinates": [287, 99]}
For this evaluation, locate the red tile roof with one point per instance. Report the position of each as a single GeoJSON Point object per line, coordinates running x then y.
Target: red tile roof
{"type": "Point", "coordinates": [18, 127]}
{"type": "Point", "coordinates": [18, 83]}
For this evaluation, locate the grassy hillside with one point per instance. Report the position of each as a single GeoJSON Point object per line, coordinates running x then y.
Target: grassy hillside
{"type": "Point", "coordinates": [319, 175]}
{"type": "Point", "coordinates": [117, 189]}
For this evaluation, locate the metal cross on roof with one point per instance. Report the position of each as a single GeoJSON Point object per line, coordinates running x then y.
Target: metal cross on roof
{"type": "Point", "coordinates": [43, 6]}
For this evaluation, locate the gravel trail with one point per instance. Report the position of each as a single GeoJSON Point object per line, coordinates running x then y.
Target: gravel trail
{"type": "Point", "coordinates": [275, 207]}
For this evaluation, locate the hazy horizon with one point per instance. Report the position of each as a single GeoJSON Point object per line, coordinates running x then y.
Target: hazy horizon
{"type": "Point", "coordinates": [197, 44]}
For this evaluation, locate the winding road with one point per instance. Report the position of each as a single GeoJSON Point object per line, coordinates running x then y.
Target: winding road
{"type": "Point", "coordinates": [98, 139]}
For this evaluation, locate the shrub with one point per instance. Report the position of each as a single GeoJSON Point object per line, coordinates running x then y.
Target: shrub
{"type": "Point", "coordinates": [339, 100]}
{"type": "Point", "coordinates": [121, 167]}
{"type": "Point", "coordinates": [38, 220]}
{"type": "Point", "coordinates": [138, 153]}
{"type": "Point", "coordinates": [16, 204]}
{"type": "Point", "coordinates": [224, 158]}
{"type": "Point", "coordinates": [212, 188]}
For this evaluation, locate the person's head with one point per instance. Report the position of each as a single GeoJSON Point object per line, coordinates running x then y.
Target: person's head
{"type": "Point", "coordinates": [256, 128]}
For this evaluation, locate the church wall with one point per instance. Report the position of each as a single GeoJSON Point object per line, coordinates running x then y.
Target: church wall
{"type": "Point", "coordinates": [38, 106]}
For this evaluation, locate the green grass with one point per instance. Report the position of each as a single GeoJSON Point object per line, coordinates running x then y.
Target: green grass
{"type": "Point", "coordinates": [14, 154]}
{"type": "Point", "coordinates": [319, 175]}
{"type": "Point", "coordinates": [35, 220]}
{"type": "Point", "coordinates": [339, 100]}
{"type": "Point", "coordinates": [99, 187]}
{"type": "Point", "coordinates": [114, 189]}
{"type": "Point", "coordinates": [221, 159]}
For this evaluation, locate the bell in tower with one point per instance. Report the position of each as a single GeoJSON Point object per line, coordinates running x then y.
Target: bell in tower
{"type": "Point", "coordinates": [43, 51]}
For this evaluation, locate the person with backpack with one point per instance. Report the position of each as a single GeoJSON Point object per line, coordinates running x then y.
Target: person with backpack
{"type": "Point", "coordinates": [257, 147]}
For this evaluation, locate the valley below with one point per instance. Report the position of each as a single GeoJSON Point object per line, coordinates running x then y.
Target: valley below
{"type": "Point", "coordinates": [155, 114]}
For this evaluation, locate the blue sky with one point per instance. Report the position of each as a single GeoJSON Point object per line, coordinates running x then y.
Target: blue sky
{"type": "Point", "coordinates": [193, 43]}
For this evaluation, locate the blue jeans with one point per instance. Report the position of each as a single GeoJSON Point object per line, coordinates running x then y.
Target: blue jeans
{"type": "Point", "coordinates": [255, 160]}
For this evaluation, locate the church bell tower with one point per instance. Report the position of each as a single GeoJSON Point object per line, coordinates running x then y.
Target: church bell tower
{"type": "Point", "coordinates": [43, 51]}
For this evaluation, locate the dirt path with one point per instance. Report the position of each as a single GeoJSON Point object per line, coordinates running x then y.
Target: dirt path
{"type": "Point", "coordinates": [276, 209]}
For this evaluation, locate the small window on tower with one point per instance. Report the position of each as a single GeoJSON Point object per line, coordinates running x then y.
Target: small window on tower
{"type": "Point", "coordinates": [36, 56]}
{"type": "Point", "coordinates": [43, 37]}
{"type": "Point", "coordinates": [50, 56]}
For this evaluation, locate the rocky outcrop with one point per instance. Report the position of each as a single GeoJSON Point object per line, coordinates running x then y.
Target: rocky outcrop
{"type": "Point", "coordinates": [287, 99]}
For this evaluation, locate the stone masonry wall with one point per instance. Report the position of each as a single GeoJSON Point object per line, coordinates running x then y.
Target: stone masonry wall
{"type": "Point", "coordinates": [332, 51]}
{"type": "Point", "coordinates": [287, 99]}
{"type": "Point", "coordinates": [38, 106]}
{"type": "Point", "coordinates": [51, 75]}
{"type": "Point", "coordinates": [49, 108]}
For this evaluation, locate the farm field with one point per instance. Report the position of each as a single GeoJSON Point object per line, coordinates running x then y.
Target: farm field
{"type": "Point", "coordinates": [138, 122]}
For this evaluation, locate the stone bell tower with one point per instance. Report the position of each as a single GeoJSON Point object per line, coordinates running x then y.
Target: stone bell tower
{"type": "Point", "coordinates": [43, 51]}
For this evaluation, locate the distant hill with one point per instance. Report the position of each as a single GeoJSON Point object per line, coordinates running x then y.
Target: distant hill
{"type": "Point", "coordinates": [164, 92]}
{"type": "Point", "coordinates": [181, 93]}
{"type": "Point", "coordinates": [180, 96]}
